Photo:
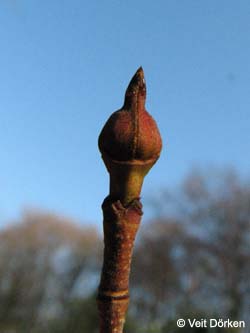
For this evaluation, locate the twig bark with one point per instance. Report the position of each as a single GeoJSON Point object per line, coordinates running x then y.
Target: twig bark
{"type": "Point", "coordinates": [130, 144]}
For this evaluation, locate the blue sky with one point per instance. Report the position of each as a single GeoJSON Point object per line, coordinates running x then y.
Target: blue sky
{"type": "Point", "coordinates": [65, 66]}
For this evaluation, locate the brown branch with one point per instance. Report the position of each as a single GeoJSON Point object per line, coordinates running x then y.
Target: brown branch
{"type": "Point", "coordinates": [130, 144]}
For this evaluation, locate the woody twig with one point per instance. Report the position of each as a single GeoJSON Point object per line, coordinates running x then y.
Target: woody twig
{"type": "Point", "coordinates": [130, 144]}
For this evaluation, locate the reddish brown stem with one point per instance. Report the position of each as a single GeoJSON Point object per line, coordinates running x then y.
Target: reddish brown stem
{"type": "Point", "coordinates": [120, 228]}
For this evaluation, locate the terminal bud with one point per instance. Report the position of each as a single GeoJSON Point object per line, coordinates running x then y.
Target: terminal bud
{"type": "Point", "coordinates": [130, 142]}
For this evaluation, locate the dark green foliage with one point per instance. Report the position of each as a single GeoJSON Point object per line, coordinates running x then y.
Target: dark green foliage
{"type": "Point", "coordinates": [80, 317]}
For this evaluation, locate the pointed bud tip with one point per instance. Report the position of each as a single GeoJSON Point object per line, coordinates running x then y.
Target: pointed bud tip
{"type": "Point", "coordinates": [137, 84]}
{"type": "Point", "coordinates": [140, 71]}
{"type": "Point", "coordinates": [139, 75]}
